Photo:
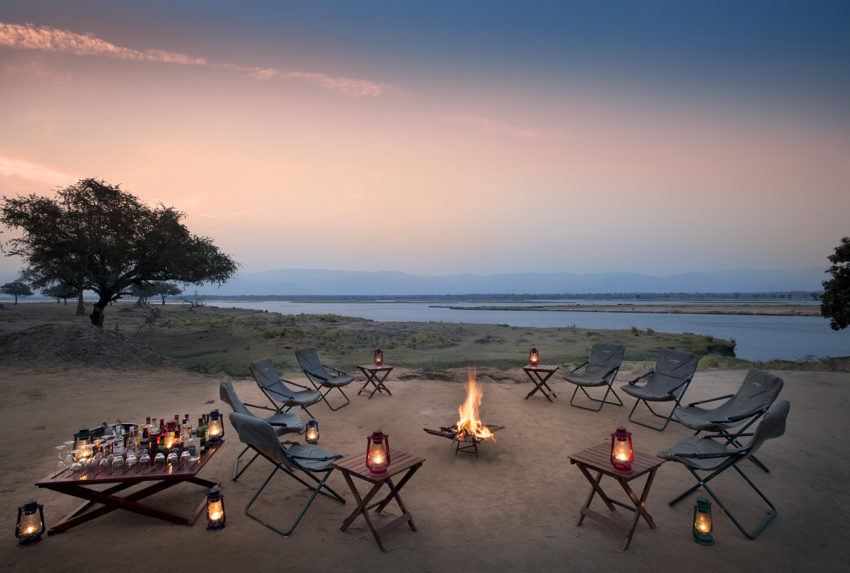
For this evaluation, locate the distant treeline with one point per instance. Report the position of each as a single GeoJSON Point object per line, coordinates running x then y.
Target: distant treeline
{"type": "Point", "coordinates": [654, 296]}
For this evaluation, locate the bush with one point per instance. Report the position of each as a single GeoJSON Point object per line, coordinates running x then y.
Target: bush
{"type": "Point", "coordinates": [708, 361]}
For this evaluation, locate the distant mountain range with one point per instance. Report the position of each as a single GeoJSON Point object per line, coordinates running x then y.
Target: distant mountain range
{"type": "Point", "coordinates": [292, 282]}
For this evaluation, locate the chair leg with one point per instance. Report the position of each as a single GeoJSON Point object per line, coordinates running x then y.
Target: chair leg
{"type": "Point", "coordinates": [344, 395]}
{"type": "Point", "coordinates": [703, 482]}
{"type": "Point", "coordinates": [731, 439]}
{"type": "Point", "coordinates": [236, 471]}
{"type": "Point", "coordinates": [316, 489]}
{"type": "Point", "coordinates": [601, 402]}
{"type": "Point", "coordinates": [667, 419]}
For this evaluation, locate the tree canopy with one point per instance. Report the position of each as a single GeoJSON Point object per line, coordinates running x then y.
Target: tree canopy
{"type": "Point", "coordinates": [835, 301]}
{"type": "Point", "coordinates": [95, 236]}
{"type": "Point", "coordinates": [16, 288]}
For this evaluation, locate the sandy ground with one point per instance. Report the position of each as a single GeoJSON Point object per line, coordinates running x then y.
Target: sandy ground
{"type": "Point", "coordinates": [512, 509]}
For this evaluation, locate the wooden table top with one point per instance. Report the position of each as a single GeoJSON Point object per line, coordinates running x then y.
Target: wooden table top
{"type": "Point", "coordinates": [599, 458]}
{"type": "Point", "coordinates": [356, 465]}
{"type": "Point", "coordinates": [373, 368]}
{"type": "Point", "coordinates": [542, 367]}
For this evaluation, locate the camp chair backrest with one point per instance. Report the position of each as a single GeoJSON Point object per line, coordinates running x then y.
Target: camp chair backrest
{"type": "Point", "coordinates": [260, 435]}
{"type": "Point", "coordinates": [672, 369]}
{"type": "Point", "coordinates": [265, 373]}
{"type": "Point", "coordinates": [772, 425]}
{"type": "Point", "coordinates": [310, 362]}
{"type": "Point", "coordinates": [757, 392]}
{"type": "Point", "coordinates": [228, 395]}
{"type": "Point", "coordinates": [604, 357]}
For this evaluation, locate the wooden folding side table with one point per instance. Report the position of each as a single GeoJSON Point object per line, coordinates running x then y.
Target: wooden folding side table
{"type": "Point", "coordinates": [156, 478]}
{"type": "Point", "coordinates": [598, 459]}
{"type": "Point", "coordinates": [539, 376]}
{"type": "Point", "coordinates": [375, 375]}
{"type": "Point", "coordinates": [356, 466]}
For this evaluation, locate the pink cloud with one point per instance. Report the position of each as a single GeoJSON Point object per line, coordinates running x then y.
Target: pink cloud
{"type": "Point", "coordinates": [45, 38]}
{"type": "Point", "coordinates": [11, 167]}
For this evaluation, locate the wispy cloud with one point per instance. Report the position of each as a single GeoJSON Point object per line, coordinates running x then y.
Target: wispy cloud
{"type": "Point", "coordinates": [11, 167]}
{"type": "Point", "coordinates": [497, 127]}
{"type": "Point", "coordinates": [47, 39]}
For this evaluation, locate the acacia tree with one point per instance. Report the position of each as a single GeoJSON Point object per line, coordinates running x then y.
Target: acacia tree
{"type": "Point", "coordinates": [60, 292]}
{"type": "Point", "coordinates": [835, 301]}
{"type": "Point", "coordinates": [16, 288]}
{"type": "Point", "coordinates": [94, 236]}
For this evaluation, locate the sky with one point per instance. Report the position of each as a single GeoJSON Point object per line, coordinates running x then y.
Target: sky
{"type": "Point", "coordinates": [444, 137]}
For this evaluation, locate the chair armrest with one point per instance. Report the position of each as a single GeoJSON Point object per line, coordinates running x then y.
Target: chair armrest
{"type": "Point", "coordinates": [641, 377]}
{"type": "Point", "coordinates": [728, 419]}
{"type": "Point", "coordinates": [260, 407]}
{"type": "Point", "coordinates": [338, 372]}
{"type": "Point", "coordinates": [708, 456]}
{"type": "Point", "coordinates": [711, 400]}
{"type": "Point", "coordinates": [291, 383]}
{"type": "Point", "coordinates": [316, 375]}
{"type": "Point", "coordinates": [577, 367]}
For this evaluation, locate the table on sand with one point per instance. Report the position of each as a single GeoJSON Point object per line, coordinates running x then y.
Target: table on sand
{"type": "Point", "coordinates": [102, 501]}
{"type": "Point", "coordinates": [598, 459]}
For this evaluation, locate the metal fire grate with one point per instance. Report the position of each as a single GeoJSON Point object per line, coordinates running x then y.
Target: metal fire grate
{"type": "Point", "coordinates": [465, 443]}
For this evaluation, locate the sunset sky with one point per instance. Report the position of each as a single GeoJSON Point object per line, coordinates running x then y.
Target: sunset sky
{"type": "Point", "coordinates": [442, 137]}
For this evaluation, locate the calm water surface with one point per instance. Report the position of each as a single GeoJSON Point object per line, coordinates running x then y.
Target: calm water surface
{"type": "Point", "coordinates": [758, 338]}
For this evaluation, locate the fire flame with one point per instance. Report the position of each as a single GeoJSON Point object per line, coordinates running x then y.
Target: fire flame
{"type": "Point", "coordinates": [469, 424]}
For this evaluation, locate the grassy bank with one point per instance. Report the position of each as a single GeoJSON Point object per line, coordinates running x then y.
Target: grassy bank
{"type": "Point", "coordinates": [216, 340]}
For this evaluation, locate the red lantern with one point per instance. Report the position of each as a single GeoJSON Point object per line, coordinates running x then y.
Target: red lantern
{"type": "Point", "coordinates": [378, 453]}
{"type": "Point", "coordinates": [622, 455]}
{"type": "Point", "coordinates": [379, 357]}
{"type": "Point", "coordinates": [533, 357]}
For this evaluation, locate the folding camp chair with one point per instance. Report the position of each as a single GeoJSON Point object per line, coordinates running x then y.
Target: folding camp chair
{"type": "Point", "coordinates": [756, 394]}
{"type": "Point", "coordinates": [674, 370]}
{"type": "Point", "coordinates": [282, 423]}
{"type": "Point", "coordinates": [599, 370]}
{"type": "Point", "coordinates": [704, 453]}
{"type": "Point", "coordinates": [301, 462]}
{"type": "Point", "coordinates": [278, 390]}
{"type": "Point", "coordinates": [319, 376]}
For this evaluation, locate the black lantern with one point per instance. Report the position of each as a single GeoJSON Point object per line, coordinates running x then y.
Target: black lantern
{"type": "Point", "coordinates": [30, 523]}
{"type": "Point", "coordinates": [215, 510]}
{"type": "Point", "coordinates": [702, 522]}
{"type": "Point", "coordinates": [311, 434]}
{"type": "Point", "coordinates": [215, 427]}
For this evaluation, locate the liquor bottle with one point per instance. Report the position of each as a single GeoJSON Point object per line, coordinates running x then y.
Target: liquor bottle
{"type": "Point", "coordinates": [201, 433]}
{"type": "Point", "coordinates": [194, 446]}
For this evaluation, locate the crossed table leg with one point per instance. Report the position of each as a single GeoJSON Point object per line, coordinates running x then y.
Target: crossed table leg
{"type": "Point", "coordinates": [376, 377]}
{"type": "Point", "coordinates": [110, 502]}
{"type": "Point", "coordinates": [539, 376]}
{"type": "Point", "coordinates": [352, 466]}
{"type": "Point", "coordinates": [597, 459]}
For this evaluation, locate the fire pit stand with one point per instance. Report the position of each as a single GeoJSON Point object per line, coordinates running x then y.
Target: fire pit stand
{"type": "Point", "coordinates": [465, 442]}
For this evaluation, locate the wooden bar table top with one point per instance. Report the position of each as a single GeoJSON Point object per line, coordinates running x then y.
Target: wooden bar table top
{"type": "Point", "coordinates": [156, 478]}
{"type": "Point", "coordinates": [355, 466]}
{"type": "Point", "coordinates": [598, 459]}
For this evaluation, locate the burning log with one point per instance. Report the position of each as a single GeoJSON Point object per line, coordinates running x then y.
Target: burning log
{"type": "Point", "coordinates": [469, 430]}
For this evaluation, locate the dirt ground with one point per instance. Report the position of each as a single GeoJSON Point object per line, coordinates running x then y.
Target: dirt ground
{"type": "Point", "coordinates": [514, 508]}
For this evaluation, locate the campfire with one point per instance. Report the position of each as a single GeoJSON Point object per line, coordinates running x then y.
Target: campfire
{"type": "Point", "coordinates": [469, 429]}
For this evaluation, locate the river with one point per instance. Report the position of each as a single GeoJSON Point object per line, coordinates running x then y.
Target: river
{"type": "Point", "coordinates": [758, 338]}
